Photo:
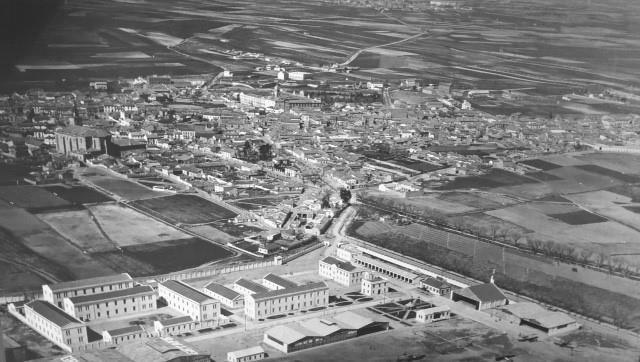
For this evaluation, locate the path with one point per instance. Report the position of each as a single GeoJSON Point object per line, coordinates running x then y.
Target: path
{"type": "Point", "coordinates": [357, 53]}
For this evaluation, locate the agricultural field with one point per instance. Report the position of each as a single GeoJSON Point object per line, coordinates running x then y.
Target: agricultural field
{"type": "Point", "coordinates": [185, 209]}
{"type": "Point", "coordinates": [16, 278]}
{"type": "Point", "coordinates": [78, 194]}
{"type": "Point", "coordinates": [32, 197]}
{"type": "Point", "coordinates": [80, 228]}
{"type": "Point", "coordinates": [127, 227]}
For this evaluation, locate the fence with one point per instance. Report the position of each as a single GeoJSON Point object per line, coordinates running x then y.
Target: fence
{"type": "Point", "coordinates": [303, 252]}
{"type": "Point", "coordinates": [210, 271]}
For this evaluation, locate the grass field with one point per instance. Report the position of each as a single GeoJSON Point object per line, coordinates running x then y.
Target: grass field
{"type": "Point", "coordinates": [78, 194]}
{"type": "Point", "coordinates": [125, 189]}
{"type": "Point", "coordinates": [163, 257]}
{"type": "Point", "coordinates": [32, 197]}
{"type": "Point", "coordinates": [540, 164]}
{"type": "Point", "coordinates": [579, 218]}
{"type": "Point", "coordinates": [495, 178]}
{"type": "Point", "coordinates": [80, 228]}
{"type": "Point", "coordinates": [126, 226]}
{"type": "Point", "coordinates": [14, 278]}
{"type": "Point", "coordinates": [185, 209]}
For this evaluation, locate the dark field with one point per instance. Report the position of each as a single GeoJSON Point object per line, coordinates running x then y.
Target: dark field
{"type": "Point", "coordinates": [163, 257]}
{"type": "Point", "coordinates": [78, 194]}
{"type": "Point", "coordinates": [125, 189]}
{"type": "Point", "coordinates": [543, 176]}
{"type": "Point", "coordinates": [185, 209]}
{"type": "Point", "coordinates": [420, 166]}
{"type": "Point", "coordinates": [610, 173]}
{"type": "Point", "coordinates": [540, 164]}
{"type": "Point", "coordinates": [33, 198]}
{"type": "Point", "coordinates": [495, 178]}
{"type": "Point", "coordinates": [579, 218]}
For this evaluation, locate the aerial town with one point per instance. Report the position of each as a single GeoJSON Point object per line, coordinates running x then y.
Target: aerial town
{"type": "Point", "coordinates": [292, 203]}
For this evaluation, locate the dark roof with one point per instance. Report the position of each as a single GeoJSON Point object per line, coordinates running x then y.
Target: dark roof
{"type": "Point", "coordinates": [339, 263]}
{"type": "Point", "coordinates": [186, 291]}
{"type": "Point", "coordinates": [121, 293]}
{"type": "Point", "coordinates": [52, 313]}
{"type": "Point", "coordinates": [485, 293]}
{"type": "Point", "coordinates": [176, 320]}
{"type": "Point", "coordinates": [125, 330]}
{"type": "Point", "coordinates": [280, 281]}
{"type": "Point", "coordinates": [223, 291]}
{"type": "Point", "coordinates": [251, 285]}
{"type": "Point", "coordinates": [436, 283]}
{"type": "Point", "coordinates": [91, 282]}
{"type": "Point", "coordinates": [296, 290]}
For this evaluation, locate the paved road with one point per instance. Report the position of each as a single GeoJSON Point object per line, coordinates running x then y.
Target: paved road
{"type": "Point", "coordinates": [356, 54]}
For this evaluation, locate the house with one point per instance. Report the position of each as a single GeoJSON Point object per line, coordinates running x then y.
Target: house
{"type": "Point", "coordinates": [434, 314]}
{"type": "Point", "coordinates": [436, 286]}
{"type": "Point", "coordinates": [373, 285]}
{"type": "Point", "coordinates": [481, 296]}
{"type": "Point", "coordinates": [248, 354]}
{"type": "Point", "coordinates": [228, 297]}
{"type": "Point", "coordinates": [342, 272]}
{"type": "Point", "coordinates": [174, 326]}
{"type": "Point", "coordinates": [124, 335]}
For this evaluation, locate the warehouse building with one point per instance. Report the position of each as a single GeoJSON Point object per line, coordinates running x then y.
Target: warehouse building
{"type": "Point", "coordinates": [342, 272]}
{"type": "Point", "coordinates": [434, 314]}
{"type": "Point", "coordinates": [481, 296]}
{"type": "Point", "coordinates": [276, 302]}
{"type": "Point", "coordinates": [537, 317]}
{"type": "Point", "coordinates": [112, 304]}
{"type": "Point", "coordinates": [275, 282]}
{"type": "Point", "coordinates": [162, 349]}
{"type": "Point", "coordinates": [247, 287]}
{"type": "Point", "coordinates": [189, 301]}
{"type": "Point", "coordinates": [316, 332]}
{"type": "Point", "coordinates": [55, 293]}
{"type": "Point", "coordinates": [436, 286]}
{"type": "Point", "coordinates": [255, 353]}
{"type": "Point", "coordinates": [55, 324]}
{"type": "Point", "coordinates": [227, 297]}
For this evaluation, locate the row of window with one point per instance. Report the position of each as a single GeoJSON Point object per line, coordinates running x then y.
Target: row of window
{"type": "Point", "coordinates": [93, 290]}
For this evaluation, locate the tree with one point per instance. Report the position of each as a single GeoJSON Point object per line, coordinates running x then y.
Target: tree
{"type": "Point", "coordinates": [345, 195]}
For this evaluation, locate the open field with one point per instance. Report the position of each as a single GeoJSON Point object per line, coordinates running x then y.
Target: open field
{"type": "Point", "coordinates": [495, 178]}
{"type": "Point", "coordinates": [14, 278]}
{"type": "Point", "coordinates": [163, 257]}
{"type": "Point", "coordinates": [185, 209]}
{"type": "Point", "coordinates": [78, 194]}
{"type": "Point", "coordinates": [79, 228]}
{"type": "Point", "coordinates": [32, 197]}
{"type": "Point", "coordinates": [124, 189]}
{"type": "Point", "coordinates": [126, 227]}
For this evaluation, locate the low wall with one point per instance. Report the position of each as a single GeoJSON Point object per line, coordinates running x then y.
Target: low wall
{"type": "Point", "coordinates": [210, 271]}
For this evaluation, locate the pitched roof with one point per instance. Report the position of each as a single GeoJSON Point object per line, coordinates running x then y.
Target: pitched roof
{"type": "Point", "coordinates": [186, 291]}
{"type": "Point", "coordinates": [80, 131]}
{"type": "Point", "coordinates": [485, 293]}
{"type": "Point", "coordinates": [436, 283]}
{"type": "Point", "coordinates": [247, 352]}
{"type": "Point", "coordinates": [90, 282]}
{"type": "Point", "coordinates": [222, 291]}
{"type": "Point", "coordinates": [116, 294]}
{"type": "Point", "coordinates": [251, 285]}
{"type": "Point", "coordinates": [320, 327]}
{"type": "Point", "coordinates": [176, 320]}
{"type": "Point", "coordinates": [339, 263]}
{"type": "Point", "coordinates": [52, 313]}
{"type": "Point", "coordinates": [305, 288]}
{"type": "Point", "coordinates": [125, 330]}
{"type": "Point", "coordinates": [280, 281]}
{"type": "Point", "coordinates": [538, 315]}
{"type": "Point", "coordinates": [352, 320]}
{"type": "Point", "coordinates": [285, 334]}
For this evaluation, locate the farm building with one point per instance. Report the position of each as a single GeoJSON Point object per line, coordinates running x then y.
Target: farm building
{"type": "Point", "coordinates": [373, 285]}
{"type": "Point", "coordinates": [436, 286]}
{"type": "Point", "coordinates": [430, 315]}
{"type": "Point", "coordinates": [342, 272]}
{"type": "Point", "coordinates": [316, 332]}
{"type": "Point", "coordinates": [124, 335]}
{"type": "Point", "coordinates": [107, 305]}
{"type": "Point", "coordinates": [174, 326]}
{"type": "Point", "coordinates": [189, 301]}
{"type": "Point", "coordinates": [255, 353]}
{"type": "Point", "coordinates": [275, 302]}
{"type": "Point", "coordinates": [275, 282]}
{"type": "Point", "coordinates": [481, 296]}
{"type": "Point", "coordinates": [535, 316]}
{"type": "Point", "coordinates": [55, 293]}
{"type": "Point", "coordinates": [227, 297]}
{"type": "Point", "coordinates": [247, 287]}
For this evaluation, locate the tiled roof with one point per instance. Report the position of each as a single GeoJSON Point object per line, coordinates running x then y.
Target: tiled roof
{"type": "Point", "coordinates": [116, 294]}
{"type": "Point", "coordinates": [223, 291]}
{"type": "Point", "coordinates": [91, 282]}
{"type": "Point", "coordinates": [339, 263]}
{"type": "Point", "coordinates": [436, 283]}
{"type": "Point", "coordinates": [125, 330]}
{"type": "Point", "coordinates": [80, 131]}
{"type": "Point", "coordinates": [280, 281]}
{"type": "Point", "coordinates": [485, 293]}
{"type": "Point", "coordinates": [186, 291]}
{"type": "Point", "coordinates": [52, 313]}
{"type": "Point", "coordinates": [305, 288]}
{"type": "Point", "coordinates": [251, 285]}
{"type": "Point", "coordinates": [176, 320]}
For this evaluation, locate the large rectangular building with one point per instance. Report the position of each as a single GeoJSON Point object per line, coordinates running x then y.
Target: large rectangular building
{"type": "Point", "coordinates": [54, 324]}
{"type": "Point", "coordinates": [112, 304]}
{"type": "Point", "coordinates": [342, 272]}
{"type": "Point", "coordinates": [282, 301]}
{"type": "Point", "coordinates": [247, 287]}
{"type": "Point", "coordinates": [55, 293]}
{"type": "Point", "coordinates": [189, 301]}
{"type": "Point", "coordinates": [276, 282]}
